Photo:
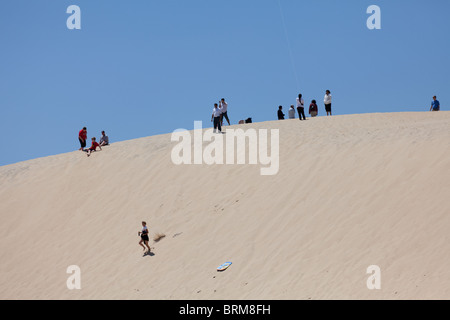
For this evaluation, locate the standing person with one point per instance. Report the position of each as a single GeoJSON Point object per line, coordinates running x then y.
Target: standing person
{"type": "Point", "coordinates": [301, 107]}
{"type": "Point", "coordinates": [313, 109]}
{"type": "Point", "coordinates": [327, 102]}
{"type": "Point", "coordinates": [144, 236]}
{"type": "Point", "coordinates": [216, 117]}
{"type": "Point", "coordinates": [104, 140]}
{"type": "Point", "coordinates": [82, 137]}
{"type": "Point", "coordinates": [224, 106]}
{"type": "Point", "coordinates": [435, 105]}
{"type": "Point", "coordinates": [280, 113]}
{"type": "Point", "coordinates": [292, 112]}
{"type": "Point", "coordinates": [93, 147]}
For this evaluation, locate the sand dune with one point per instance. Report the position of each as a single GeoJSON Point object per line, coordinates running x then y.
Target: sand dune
{"type": "Point", "coordinates": [351, 191]}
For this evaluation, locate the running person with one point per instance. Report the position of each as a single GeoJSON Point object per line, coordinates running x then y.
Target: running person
{"type": "Point", "coordinates": [144, 236]}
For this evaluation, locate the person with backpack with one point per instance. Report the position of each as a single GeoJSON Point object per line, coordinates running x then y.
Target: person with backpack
{"type": "Point", "coordinates": [313, 109]}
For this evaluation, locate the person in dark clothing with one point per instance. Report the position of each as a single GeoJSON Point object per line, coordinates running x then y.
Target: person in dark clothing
{"type": "Point", "coordinates": [224, 106]}
{"type": "Point", "coordinates": [313, 109]}
{"type": "Point", "coordinates": [280, 113]}
{"type": "Point", "coordinates": [301, 107]}
{"type": "Point", "coordinates": [144, 236]}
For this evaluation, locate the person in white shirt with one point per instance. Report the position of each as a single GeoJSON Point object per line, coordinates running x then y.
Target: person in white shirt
{"type": "Point", "coordinates": [301, 107]}
{"type": "Point", "coordinates": [144, 237]}
{"type": "Point", "coordinates": [224, 107]}
{"type": "Point", "coordinates": [327, 102]}
{"type": "Point", "coordinates": [216, 115]}
{"type": "Point", "coordinates": [292, 112]}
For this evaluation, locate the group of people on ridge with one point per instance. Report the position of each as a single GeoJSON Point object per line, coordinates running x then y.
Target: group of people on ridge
{"type": "Point", "coordinates": [220, 112]}
{"type": "Point", "coordinates": [313, 108]}
{"type": "Point", "coordinates": [82, 137]}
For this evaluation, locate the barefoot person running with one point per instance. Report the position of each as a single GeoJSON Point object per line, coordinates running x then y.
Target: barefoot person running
{"type": "Point", "coordinates": [144, 236]}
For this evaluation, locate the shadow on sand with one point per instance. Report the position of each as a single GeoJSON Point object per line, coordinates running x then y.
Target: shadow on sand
{"type": "Point", "coordinates": [151, 254]}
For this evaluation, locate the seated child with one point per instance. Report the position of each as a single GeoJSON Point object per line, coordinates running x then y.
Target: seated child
{"type": "Point", "coordinates": [93, 147]}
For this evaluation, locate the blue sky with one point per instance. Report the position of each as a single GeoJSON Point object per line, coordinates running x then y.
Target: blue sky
{"type": "Point", "coordinates": [143, 67]}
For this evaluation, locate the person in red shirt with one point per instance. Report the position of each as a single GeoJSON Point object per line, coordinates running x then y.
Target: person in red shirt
{"type": "Point", "coordinates": [82, 137]}
{"type": "Point", "coordinates": [313, 109]}
{"type": "Point", "coordinates": [93, 147]}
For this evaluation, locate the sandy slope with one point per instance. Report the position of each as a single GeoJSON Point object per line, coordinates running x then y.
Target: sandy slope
{"type": "Point", "coordinates": [352, 191]}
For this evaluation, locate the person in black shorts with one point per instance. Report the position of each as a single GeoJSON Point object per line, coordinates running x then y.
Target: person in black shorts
{"type": "Point", "coordinates": [327, 102]}
{"type": "Point", "coordinates": [301, 107]}
{"type": "Point", "coordinates": [144, 236]}
{"type": "Point", "coordinates": [82, 137]}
